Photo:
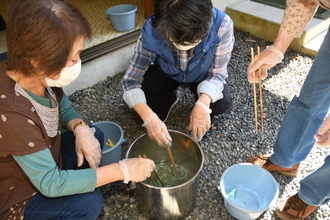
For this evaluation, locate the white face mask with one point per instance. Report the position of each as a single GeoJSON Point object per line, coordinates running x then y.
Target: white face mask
{"type": "Point", "coordinates": [186, 47]}
{"type": "Point", "coordinates": [67, 76]}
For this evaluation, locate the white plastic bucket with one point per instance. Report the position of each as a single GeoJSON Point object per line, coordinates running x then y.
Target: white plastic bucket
{"type": "Point", "coordinates": [248, 190]}
{"type": "Point", "coordinates": [115, 133]}
{"type": "Point", "coordinates": [122, 17]}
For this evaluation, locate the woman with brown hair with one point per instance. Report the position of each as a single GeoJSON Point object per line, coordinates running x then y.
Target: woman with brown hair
{"type": "Point", "coordinates": [49, 156]}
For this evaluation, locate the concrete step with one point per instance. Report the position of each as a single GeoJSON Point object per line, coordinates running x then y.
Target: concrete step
{"type": "Point", "coordinates": [315, 43]}
{"type": "Point", "coordinates": [263, 21]}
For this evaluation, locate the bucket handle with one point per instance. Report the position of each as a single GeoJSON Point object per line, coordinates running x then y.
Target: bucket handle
{"type": "Point", "coordinates": [231, 194]}
{"type": "Point", "coordinates": [107, 16]}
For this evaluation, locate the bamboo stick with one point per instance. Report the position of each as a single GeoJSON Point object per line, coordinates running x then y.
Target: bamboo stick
{"type": "Point", "coordinates": [254, 94]}
{"type": "Point", "coordinates": [260, 96]}
{"type": "Point", "coordinates": [171, 158]}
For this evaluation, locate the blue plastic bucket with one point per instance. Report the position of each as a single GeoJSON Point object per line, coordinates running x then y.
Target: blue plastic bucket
{"type": "Point", "coordinates": [122, 17]}
{"type": "Point", "coordinates": [115, 133]}
{"type": "Point", "coordinates": [248, 190]}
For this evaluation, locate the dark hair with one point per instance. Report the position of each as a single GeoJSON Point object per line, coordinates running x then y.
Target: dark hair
{"type": "Point", "coordinates": [44, 31]}
{"type": "Point", "coordinates": [180, 21]}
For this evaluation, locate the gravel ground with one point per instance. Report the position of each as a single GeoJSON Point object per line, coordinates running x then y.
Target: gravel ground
{"type": "Point", "coordinates": [231, 140]}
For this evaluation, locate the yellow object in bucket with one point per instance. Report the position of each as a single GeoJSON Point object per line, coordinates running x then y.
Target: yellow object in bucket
{"type": "Point", "coordinates": [109, 143]}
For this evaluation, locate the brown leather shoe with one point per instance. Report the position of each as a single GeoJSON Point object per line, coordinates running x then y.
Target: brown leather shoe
{"type": "Point", "coordinates": [294, 209]}
{"type": "Point", "coordinates": [264, 162]}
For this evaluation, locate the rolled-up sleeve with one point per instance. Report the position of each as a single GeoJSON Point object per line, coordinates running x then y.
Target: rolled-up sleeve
{"type": "Point", "coordinates": [296, 17]}
{"type": "Point", "coordinates": [133, 77]}
{"type": "Point", "coordinates": [134, 96]}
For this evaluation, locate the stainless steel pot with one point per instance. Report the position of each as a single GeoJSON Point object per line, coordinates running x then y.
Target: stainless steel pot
{"type": "Point", "coordinates": [175, 202]}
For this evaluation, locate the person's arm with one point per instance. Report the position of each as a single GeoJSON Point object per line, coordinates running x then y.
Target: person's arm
{"type": "Point", "coordinates": [70, 117]}
{"type": "Point", "coordinates": [87, 146]}
{"type": "Point", "coordinates": [282, 42]}
{"type": "Point", "coordinates": [210, 90]}
{"type": "Point", "coordinates": [133, 77]}
{"type": "Point", "coordinates": [295, 18]}
{"type": "Point", "coordinates": [143, 110]}
{"type": "Point", "coordinates": [44, 174]}
{"type": "Point", "coordinates": [135, 97]}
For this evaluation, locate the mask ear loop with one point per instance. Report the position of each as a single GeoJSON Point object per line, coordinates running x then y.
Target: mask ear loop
{"type": "Point", "coordinates": [52, 100]}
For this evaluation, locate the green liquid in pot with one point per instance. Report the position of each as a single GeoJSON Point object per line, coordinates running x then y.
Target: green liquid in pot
{"type": "Point", "coordinates": [169, 176]}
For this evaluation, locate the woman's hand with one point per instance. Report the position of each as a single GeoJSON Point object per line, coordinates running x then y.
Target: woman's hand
{"type": "Point", "coordinates": [136, 169]}
{"type": "Point", "coordinates": [87, 146]}
{"type": "Point", "coordinates": [200, 120]}
{"type": "Point", "coordinates": [157, 130]}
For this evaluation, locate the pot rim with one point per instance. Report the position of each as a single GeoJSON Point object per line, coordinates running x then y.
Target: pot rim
{"type": "Point", "coordinates": [188, 181]}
